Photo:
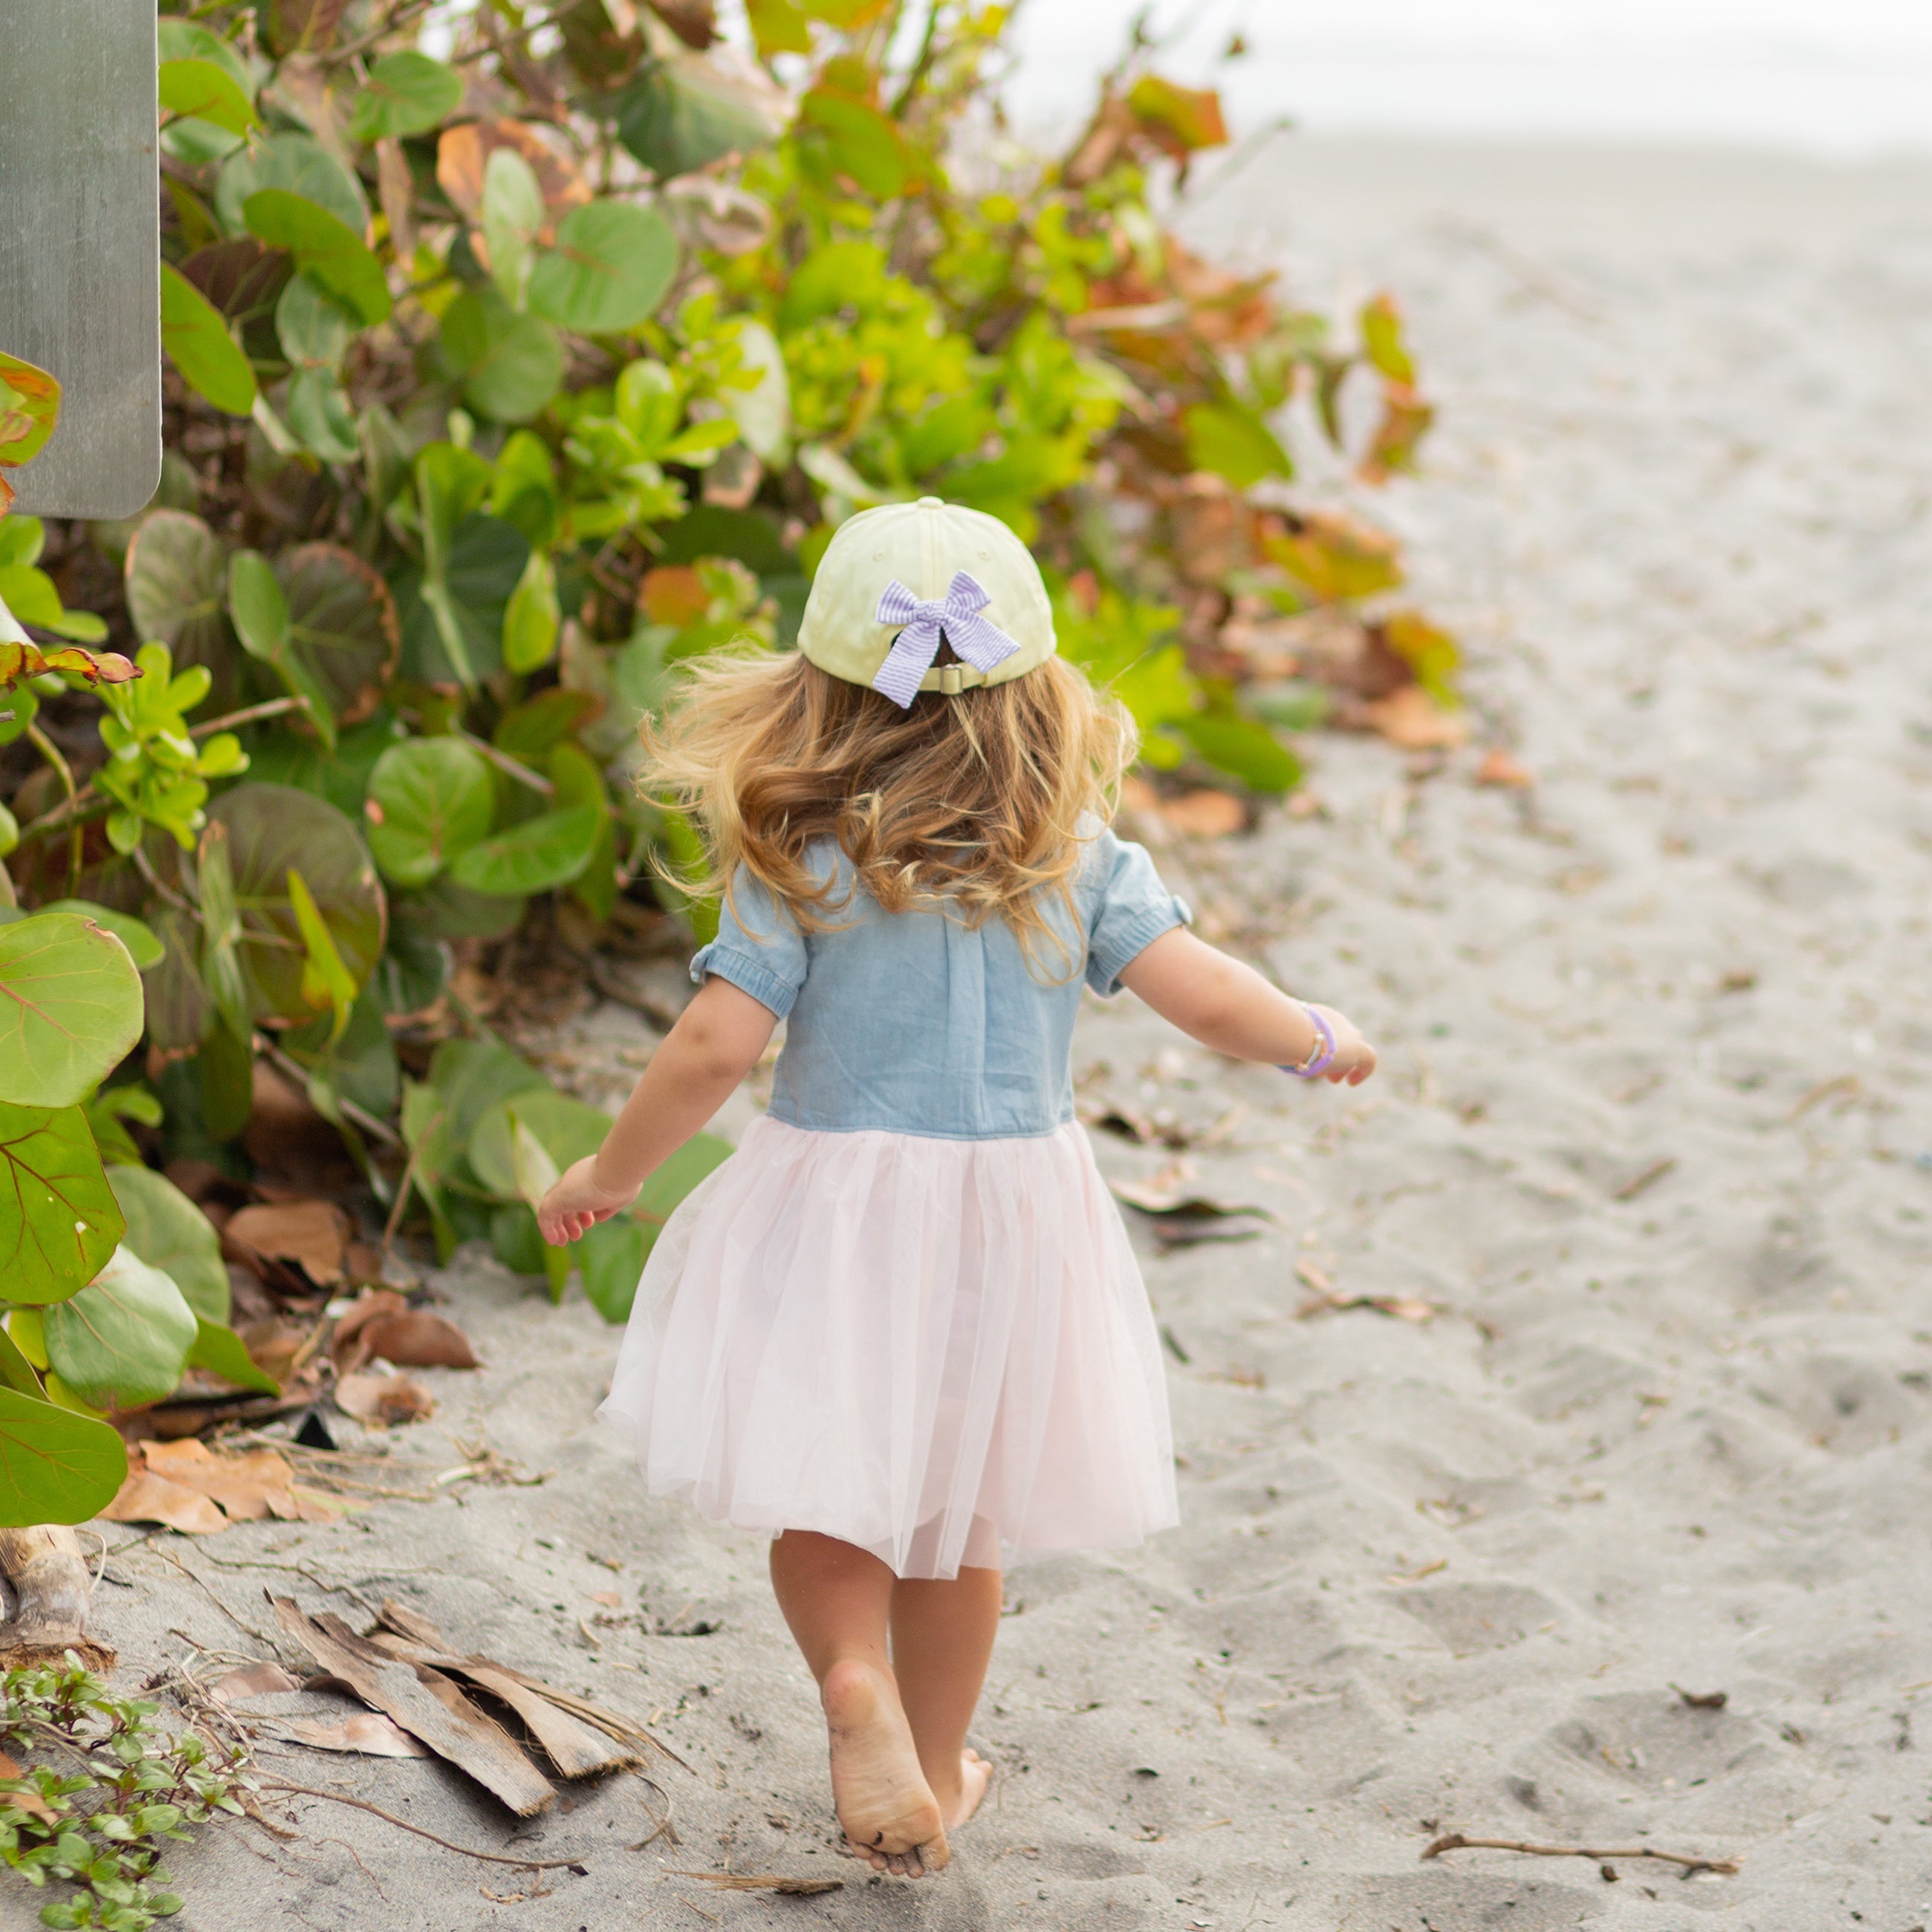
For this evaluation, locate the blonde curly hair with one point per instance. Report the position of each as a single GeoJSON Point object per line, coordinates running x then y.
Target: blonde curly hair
{"type": "Point", "coordinates": [976, 802]}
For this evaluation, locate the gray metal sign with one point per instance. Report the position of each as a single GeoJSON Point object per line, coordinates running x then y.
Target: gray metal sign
{"type": "Point", "coordinates": [80, 245]}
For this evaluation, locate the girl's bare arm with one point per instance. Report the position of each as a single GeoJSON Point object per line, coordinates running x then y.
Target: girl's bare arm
{"type": "Point", "coordinates": [715, 1042]}
{"type": "Point", "coordinates": [1230, 1007]}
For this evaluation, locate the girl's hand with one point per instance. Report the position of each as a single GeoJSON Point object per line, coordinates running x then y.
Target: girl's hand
{"type": "Point", "coordinates": [577, 1203]}
{"type": "Point", "coordinates": [1354, 1058]}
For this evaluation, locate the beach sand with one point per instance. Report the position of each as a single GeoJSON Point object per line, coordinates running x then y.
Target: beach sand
{"type": "Point", "coordinates": [1652, 1139]}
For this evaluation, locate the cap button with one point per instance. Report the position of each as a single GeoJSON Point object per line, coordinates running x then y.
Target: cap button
{"type": "Point", "coordinates": [932, 502]}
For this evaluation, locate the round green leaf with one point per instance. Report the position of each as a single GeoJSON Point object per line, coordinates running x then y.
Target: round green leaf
{"type": "Point", "coordinates": [175, 576]}
{"type": "Point", "coordinates": [327, 249]}
{"type": "Point", "coordinates": [304, 167]}
{"type": "Point", "coordinates": [408, 93]}
{"type": "Point", "coordinates": [429, 800]}
{"type": "Point", "coordinates": [612, 1255]}
{"type": "Point", "coordinates": [70, 1009]}
{"type": "Point", "coordinates": [343, 629]}
{"type": "Point", "coordinates": [198, 344]}
{"type": "Point", "coordinates": [58, 1218]}
{"type": "Point", "coordinates": [143, 947]}
{"type": "Point", "coordinates": [319, 416]}
{"type": "Point", "coordinates": [270, 828]}
{"type": "Point", "coordinates": [54, 1466]}
{"type": "Point", "coordinates": [863, 143]}
{"type": "Point", "coordinates": [1234, 442]}
{"type": "Point", "coordinates": [447, 910]}
{"type": "Point", "coordinates": [125, 1337]}
{"type": "Point", "coordinates": [532, 620]}
{"type": "Point", "coordinates": [218, 1349]}
{"type": "Point", "coordinates": [683, 113]}
{"type": "Point", "coordinates": [550, 850]}
{"type": "Point", "coordinates": [167, 1230]}
{"type": "Point", "coordinates": [255, 604]}
{"type": "Point", "coordinates": [202, 90]}
{"type": "Point", "coordinates": [509, 365]}
{"type": "Point", "coordinates": [1244, 747]}
{"type": "Point", "coordinates": [613, 264]}
{"type": "Point", "coordinates": [314, 328]}
{"type": "Point", "coordinates": [566, 1130]}
{"type": "Point", "coordinates": [485, 563]}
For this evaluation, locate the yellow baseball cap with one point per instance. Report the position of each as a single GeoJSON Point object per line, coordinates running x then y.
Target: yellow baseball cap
{"type": "Point", "coordinates": [893, 580]}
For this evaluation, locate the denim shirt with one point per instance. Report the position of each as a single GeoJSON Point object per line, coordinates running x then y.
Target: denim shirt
{"type": "Point", "coordinates": [914, 1023]}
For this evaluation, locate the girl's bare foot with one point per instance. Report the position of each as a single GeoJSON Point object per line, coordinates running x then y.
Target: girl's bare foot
{"type": "Point", "coordinates": [975, 1774]}
{"type": "Point", "coordinates": [891, 1818]}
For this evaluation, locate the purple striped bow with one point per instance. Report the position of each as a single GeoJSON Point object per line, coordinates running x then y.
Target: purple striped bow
{"type": "Point", "coordinates": [981, 643]}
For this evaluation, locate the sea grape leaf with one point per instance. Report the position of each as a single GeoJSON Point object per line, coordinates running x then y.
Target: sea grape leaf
{"type": "Point", "coordinates": [535, 728]}
{"type": "Point", "coordinates": [430, 799]}
{"type": "Point", "coordinates": [614, 262]}
{"type": "Point", "coordinates": [313, 328]}
{"type": "Point", "coordinates": [411, 974]}
{"type": "Point", "coordinates": [862, 142]}
{"type": "Point", "coordinates": [611, 1257]}
{"type": "Point", "coordinates": [144, 948]}
{"type": "Point", "coordinates": [124, 1337]}
{"type": "Point", "coordinates": [1234, 442]}
{"type": "Point", "coordinates": [531, 618]}
{"type": "Point", "coordinates": [536, 1172]}
{"type": "Point", "coordinates": [544, 852]}
{"type": "Point", "coordinates": [326, 982]}
{"type": "Point", "coordinates": [195, 334]}
{"type": "Point", "coordinates": [407, 93]}
{"type": "Point", "coordinates": [1189, 117]}
{"type": "Point", "coordinates": [361, 1065]}
{"type": "Point", "coordinates": [167, 1230]}
{"type": "Point", "coordinates": [217, 1349]}
{"type": "Point", "coordinates": [299, 163]}
{"type": "Point", "coordinates": [175, 575]}
{"type": "Point", "coordinates": [343, 634]}
{"type": "Point", "coordinates": [486, 561]}
{"type": "Point", "coordinates": [567, 1129]}
{"type": "Point", "coordinates": [684, 111]}
{"type": "Point", "coordinates": [509, 366]}
{"type": "Point", "coordinates": [324, 247]}
{"type": "Point", "coordinates": [1245, 747]}
{"type": "Point", "coordinates": [579, 782]}
{"type": "Point", "coordinates": [513, 215]}
{"type": "Point", "coordinates": [70, 1008]}
{"type": "Point", "coordinates": [443, 909]}
{"type": "Point", "coordinates": [200, 90]}
{"type": "Point", "coordinates": [59, 1220]}
{"type": "Point", "coordinates": [677, 1176]}
{"type": "Point", "coordinates": [55, 1466]}
{"type": "Point", "coordinates": [270, 828]}
{"type": "Point", "coordinates": [179, 1011]}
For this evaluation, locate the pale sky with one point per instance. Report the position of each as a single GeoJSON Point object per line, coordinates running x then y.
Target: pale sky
{"type": "Point", "coordinates": [1849, 77]}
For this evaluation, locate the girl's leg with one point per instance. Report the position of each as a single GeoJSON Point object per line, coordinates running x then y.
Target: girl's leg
{"type": "Point", "coordinates": [838, 1601]}
{"type": "Point", "coordinates": [942, 1633]}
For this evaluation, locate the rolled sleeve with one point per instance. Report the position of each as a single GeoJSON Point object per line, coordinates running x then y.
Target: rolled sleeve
{"type": "Point", "coordinates": [1133, 910]}
{"type": "Point", "coordinates": [759, 948]}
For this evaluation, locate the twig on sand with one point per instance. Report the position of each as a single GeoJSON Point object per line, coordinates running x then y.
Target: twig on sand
{"type": "Point", "coordinates": [791, 1887]}
{"type": "Point", "coordinates": [1454, 1841]}
{"type": "Point", "coordinates": [1649, 1178]}
{"type": "Point", "coordinates": [377, 1811]}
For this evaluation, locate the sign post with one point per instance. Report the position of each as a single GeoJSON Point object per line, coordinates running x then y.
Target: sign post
{"type": "Point", "coordinates": [80, 245]}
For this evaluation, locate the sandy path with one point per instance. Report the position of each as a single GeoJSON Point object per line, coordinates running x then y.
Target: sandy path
{"type": "Point", "coordinates": [1672, 1422]}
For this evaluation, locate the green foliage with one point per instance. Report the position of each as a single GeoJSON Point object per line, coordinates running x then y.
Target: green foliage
{"type": "Point", "coordinates": [101, 1816]}
{"type": "Point", "coordinates": [503, 388]}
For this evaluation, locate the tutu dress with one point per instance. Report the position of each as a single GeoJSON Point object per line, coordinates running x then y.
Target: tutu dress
{"type": "Point", "coordinates": [905, 1312]}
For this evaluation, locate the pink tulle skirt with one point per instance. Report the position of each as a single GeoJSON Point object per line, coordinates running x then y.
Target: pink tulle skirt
{"type": "Point", "coordinates": [939, 1351]}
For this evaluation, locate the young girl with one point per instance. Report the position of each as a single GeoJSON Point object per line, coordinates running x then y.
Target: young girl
{"type": "Point", "coordinates": [901, 1330]}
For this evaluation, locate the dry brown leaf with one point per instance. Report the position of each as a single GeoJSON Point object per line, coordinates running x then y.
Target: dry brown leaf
{"type": "Point", "coordinates": [314, 1234]}
{"type": "Point", "coordinates": [463, 153]}
{"type": "Point", "coordinates": [1498, 768]}
{"type": "Point", "coordinates": [386, 1402]}
{"type": "Point", "coordinates": [1205, 814]}
{"type": "Point", "coordinates": [611, 1599]}
{"type": "Point", "coordinates": [29, 1801]}
{"type": "Point", "coordinates": [418, 1338]}
{"type": "Point", "coordinates": [368, 1732]}
{"type": "Point", "coordinates": [1411, 719]}
{"type": "Point", "coordinates": [150, 1498]}
{"type": "Point", "coordinates": [256, 1680]}
{"type": "Point", "coordinates": [247, 1486]}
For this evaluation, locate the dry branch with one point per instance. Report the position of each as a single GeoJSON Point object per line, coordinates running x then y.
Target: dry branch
{"type": "Point", "coordinates": [1455, 1841]}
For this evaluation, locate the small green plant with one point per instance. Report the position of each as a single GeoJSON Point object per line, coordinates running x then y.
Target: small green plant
{"type": "Point", "coordinates": [102, 1817]}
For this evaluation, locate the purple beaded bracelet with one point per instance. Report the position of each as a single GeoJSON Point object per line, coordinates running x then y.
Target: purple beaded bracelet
{"type": "Point", "coordinates": [1320, 1062]}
